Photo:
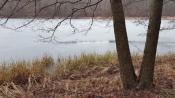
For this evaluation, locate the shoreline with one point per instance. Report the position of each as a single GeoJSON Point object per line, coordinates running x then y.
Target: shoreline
{"type": "Point", "coordinates": [88, 75]}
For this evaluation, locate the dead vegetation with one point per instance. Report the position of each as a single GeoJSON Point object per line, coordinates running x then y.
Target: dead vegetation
{"type": "Point", "coordinates": [87, 76]}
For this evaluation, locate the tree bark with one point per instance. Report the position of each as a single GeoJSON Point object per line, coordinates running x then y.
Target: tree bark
{"type": "Point", "coordinates": [127, 71]}
{"type": "Point", "coordinates": [147, 67]}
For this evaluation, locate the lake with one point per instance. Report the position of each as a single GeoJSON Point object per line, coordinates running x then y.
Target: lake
{"type": "Point", "coordinates": [27, 43]}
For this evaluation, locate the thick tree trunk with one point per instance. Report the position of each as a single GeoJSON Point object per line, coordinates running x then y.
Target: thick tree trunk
{"type": "Point", "coordinates": [127, 72]}
{"type": "Point", "coordinates": [147, 67]}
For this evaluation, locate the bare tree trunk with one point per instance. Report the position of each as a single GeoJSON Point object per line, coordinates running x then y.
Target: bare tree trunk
{"type": "Point", "coordinates": [147, 67]}
{"type": "Point", "coordinates": [127, 72]}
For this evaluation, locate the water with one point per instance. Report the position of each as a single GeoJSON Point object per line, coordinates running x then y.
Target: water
{"type": "Point", "coordinates": [26, 43]}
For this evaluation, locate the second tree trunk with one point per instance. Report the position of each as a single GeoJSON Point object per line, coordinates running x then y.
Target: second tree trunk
{"type": "Point", "coordinates": [147, 67]}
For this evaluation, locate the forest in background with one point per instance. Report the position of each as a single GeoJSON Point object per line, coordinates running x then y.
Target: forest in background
{"type": "Point", "coordinates": [26, 8]}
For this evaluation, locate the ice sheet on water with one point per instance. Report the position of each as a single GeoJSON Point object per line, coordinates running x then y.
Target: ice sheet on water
{"type": "Point", "coordinates": [24, 43]}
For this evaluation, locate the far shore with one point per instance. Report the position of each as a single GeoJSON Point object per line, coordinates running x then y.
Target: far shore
{"type": "Point", "coordinates": [164, 17]}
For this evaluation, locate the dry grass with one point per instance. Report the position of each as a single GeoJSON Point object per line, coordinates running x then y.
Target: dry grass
{"type": "Point", "coordinates": [86, 75]}
{"type": "Point", "coordinates": [79, 65]}
{"type": "Point", "coordinates": [20, 72]}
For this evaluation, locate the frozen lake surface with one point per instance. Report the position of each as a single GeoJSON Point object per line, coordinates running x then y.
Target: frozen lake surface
{"type": "Point", "coordinates": [25, 42]}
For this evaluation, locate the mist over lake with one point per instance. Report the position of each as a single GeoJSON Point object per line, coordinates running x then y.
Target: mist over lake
{"type": "Point", "coordinates": [26, 42]}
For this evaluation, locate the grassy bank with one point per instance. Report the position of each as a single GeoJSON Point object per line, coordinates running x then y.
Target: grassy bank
{"type": "Point", "coordinates": [86, 75]}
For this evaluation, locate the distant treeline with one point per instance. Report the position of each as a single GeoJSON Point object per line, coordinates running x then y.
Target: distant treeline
{"type": "Point", "coordinates": [32, 8]}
